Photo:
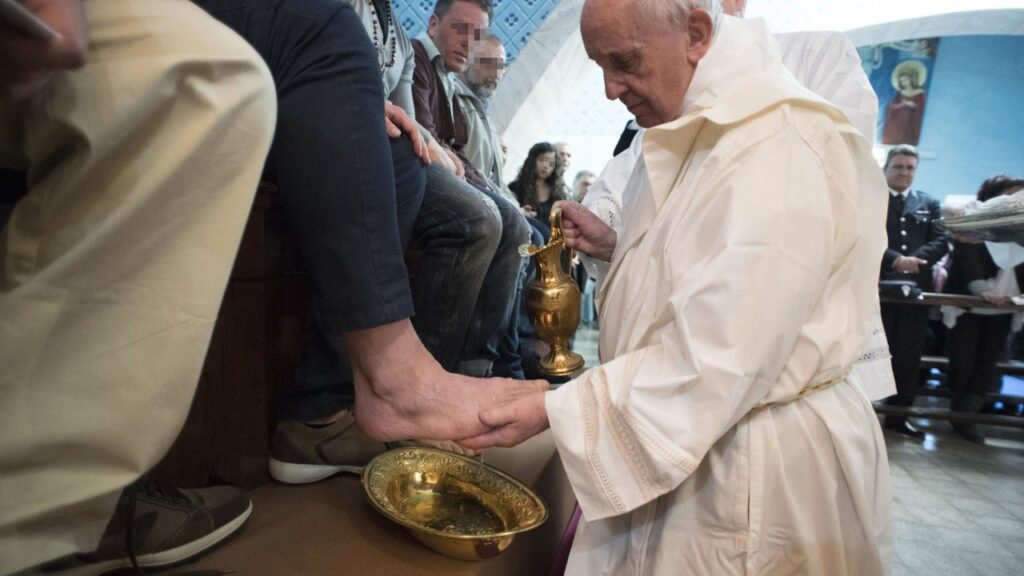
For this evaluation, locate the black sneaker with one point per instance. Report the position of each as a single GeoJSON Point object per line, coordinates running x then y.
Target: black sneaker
{"type": "Point", "coordinates": [154, 527]}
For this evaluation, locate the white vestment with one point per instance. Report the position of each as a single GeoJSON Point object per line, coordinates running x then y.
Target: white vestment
{"type": "Point", "coordinates": [826, 63]}
{"type": "Point", "coordinates": [745, 273]}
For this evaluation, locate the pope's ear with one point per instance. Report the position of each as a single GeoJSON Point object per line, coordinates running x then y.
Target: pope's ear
{"type": "Point", "coordinates": [700, 28]}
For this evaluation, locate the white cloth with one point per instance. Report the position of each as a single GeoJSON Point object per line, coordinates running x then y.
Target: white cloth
{"type": "Point", "coordinates": [1006, 255]}
{"type": "Point", "coordinates": [142, 166]}
{"type": "Point", "coordinates": [746, 272]}
{"type": "Point", "coordinates": [828, 65]}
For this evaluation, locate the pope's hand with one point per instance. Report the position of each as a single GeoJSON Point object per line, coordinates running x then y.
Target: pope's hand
{"type": "Point", "coordinates": [26, 63]}
{"type": "Point", "coordinates": [511, 423]}
{"type": "Point", "coordinates": [585, 232]}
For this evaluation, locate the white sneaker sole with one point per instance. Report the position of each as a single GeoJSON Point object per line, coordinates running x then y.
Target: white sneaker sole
{"type": "Point", "coordinates": [167, 557]}
{"type": "Point", "coordinates": [291, 473]}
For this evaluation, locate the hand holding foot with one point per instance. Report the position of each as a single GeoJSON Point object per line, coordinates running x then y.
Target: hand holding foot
{"type": "Point", "coordinates": [402, 392]}
{"type": "Point", "coordinates": [511, 423]}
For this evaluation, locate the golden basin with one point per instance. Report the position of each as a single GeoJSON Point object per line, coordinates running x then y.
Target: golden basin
{"type": "Point", "coordinates": [454, 504]}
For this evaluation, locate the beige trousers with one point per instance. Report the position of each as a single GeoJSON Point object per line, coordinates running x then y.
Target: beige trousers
{"type": "Point", "coordinates": [142, 167]}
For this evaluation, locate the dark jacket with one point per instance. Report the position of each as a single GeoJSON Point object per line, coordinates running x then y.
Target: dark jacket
{"type": "Point", "coordinates": [439, 115]}
{"type": "Point", "coordinates": [918, 231]}
{"type": "Point", "coordinates": [973, 262]}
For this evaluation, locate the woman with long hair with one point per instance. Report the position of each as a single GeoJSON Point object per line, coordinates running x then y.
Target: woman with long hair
{"type": "Point", "coordinates": [538, 186]}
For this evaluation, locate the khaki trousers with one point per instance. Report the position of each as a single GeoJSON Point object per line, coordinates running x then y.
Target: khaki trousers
{"type": "Point", "coordinates": [142, 167]}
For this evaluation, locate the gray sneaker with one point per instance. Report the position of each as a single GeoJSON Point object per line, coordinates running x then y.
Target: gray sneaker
{"type": "Point", "coordinates": [154, 527]}
{"type": "Point", "coordinates": [300, 454]}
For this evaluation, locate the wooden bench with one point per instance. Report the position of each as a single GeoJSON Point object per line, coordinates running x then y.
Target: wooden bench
{"type": "Point", "coordinates": [941, 363]}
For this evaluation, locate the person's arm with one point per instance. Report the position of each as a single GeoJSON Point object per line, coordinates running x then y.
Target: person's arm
{"type": "Point", "coordinates": [637, 426]}
{"type": "Point", "coordinates": [402, 94]}
{"type": "Point", "coordinates": [424, 80]}
{"type": "Point", "coordinates": [889, 259]}
{"type": "Point", "coordinates": [26, 62]}
{"type": "Point", "coordinates": [937, 244]}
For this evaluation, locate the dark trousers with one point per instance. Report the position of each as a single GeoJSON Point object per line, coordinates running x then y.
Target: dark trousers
{"type": "Point", "coordinates": [467, 266]}
{"type": "Point", "coordinates": [348, 193]}
{"type": "Point", "coordinates": [975, 346]}
{"type": "Point", "coordinates": [905, 326]}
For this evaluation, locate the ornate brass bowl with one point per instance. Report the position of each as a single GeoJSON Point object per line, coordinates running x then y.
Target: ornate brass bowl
{"type": "Point", "coordinates": [454, 504]}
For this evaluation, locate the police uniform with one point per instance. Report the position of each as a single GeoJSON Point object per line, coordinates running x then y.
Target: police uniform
{"type": "Point", "coordinates": [914, 228]}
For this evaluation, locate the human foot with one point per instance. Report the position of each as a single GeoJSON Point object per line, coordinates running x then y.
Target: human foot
{"type": "Point", "coordinates": [402, 392]}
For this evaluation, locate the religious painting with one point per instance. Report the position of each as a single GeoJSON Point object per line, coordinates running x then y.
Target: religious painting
{"type": "Point", "coordinates": [900, 73]}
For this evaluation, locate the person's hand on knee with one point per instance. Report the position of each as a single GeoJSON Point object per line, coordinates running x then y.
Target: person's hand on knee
{"type": "Point", "coordinates": [397, 122]}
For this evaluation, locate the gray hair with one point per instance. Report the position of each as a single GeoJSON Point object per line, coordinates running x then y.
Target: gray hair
{"type": "Point", "coordinates": [674, 12]}
{"type": "Point", "coordinates": [900, 150]}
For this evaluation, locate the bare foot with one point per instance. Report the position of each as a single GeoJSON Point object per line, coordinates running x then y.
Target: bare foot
{"type": "Point", "coordinates": [402, 392]}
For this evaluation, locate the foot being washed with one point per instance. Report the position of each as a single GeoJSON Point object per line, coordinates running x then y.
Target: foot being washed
{"type": "Point", "coordinates": [402, 392]}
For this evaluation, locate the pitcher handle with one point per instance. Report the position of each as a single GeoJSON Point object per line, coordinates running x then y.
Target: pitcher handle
{"type": "Point", "coordinates": [555, 220]}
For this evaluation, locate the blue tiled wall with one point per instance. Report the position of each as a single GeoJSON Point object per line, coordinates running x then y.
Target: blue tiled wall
{"type": "Point", "coordinates": [514, 20]}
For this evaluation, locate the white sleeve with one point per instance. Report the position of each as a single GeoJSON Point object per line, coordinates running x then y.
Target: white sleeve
{"type": "Point", "coordinates": [636, 427]}
{"type": "Point", "coordinates": [604, 199]}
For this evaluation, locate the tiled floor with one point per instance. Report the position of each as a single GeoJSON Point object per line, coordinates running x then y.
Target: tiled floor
{"type": "Point", "coordinates": [958, 508]}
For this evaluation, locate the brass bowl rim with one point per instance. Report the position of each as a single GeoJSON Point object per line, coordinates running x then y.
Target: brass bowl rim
{"type": "Point", "coordinates": [368, 469]}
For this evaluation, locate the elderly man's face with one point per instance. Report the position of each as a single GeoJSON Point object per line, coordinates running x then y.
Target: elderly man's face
{"type": "Point", "coordinates": [453, 32]}
{"type": "Point", "coordinates": [564, 156]}
{"type": "Point", "coordinates": [646, 66]}
{"type": "Point", "coordinates": [486, 67]}
{"type": "Point", "coordinates": [899, 173]}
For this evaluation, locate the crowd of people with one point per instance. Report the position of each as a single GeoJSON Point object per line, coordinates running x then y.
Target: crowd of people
{"type": "Point", "coordinates": [919, 252]}
{"type": "Point", "coordinates": [144, 127]}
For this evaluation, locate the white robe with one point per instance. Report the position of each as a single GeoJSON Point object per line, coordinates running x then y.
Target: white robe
{"type": "Point", "coordinates": [746, 271]}
{"type": "Point", "coordinates": [827, 64]}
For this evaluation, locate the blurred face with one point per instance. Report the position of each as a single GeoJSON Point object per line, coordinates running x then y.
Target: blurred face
{"type": "Point", "coordinates": [646, 67]}
{"type": "Point", "coordinates": [564, 156]}
{"type": "Point", "coordinates": [486, 67]}
{"type": "Point", "coordinates": [900, 172]}
{"type": "Point", "coordinates": [734, 7]}
{"type": "Point", "coordinates": [583, 186]}
{"type": "Point", "coordinates": [545, 165]}
{"type": "Point", "coordinates": [904, 81]}
{"type": "Point", "coordinates": [453, 32]}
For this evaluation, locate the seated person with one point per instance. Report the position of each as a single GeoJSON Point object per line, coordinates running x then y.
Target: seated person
{"type": "Point", "coordinates": [350, 195]}
{"type": "Point", "coordinates": [440, 53]}
{"type": "Point", "coordinates": [142, 128]}
{"type": "Point", "coordinates": [538, 187]}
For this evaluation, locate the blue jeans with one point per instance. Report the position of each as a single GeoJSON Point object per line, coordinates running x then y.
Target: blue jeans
{"type": "Point", "coordinates": [349, 194]}
{"type": "Point", "coordinates": [465, 271]}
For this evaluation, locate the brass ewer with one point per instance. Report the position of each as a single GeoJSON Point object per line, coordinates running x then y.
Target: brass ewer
{"type": "Point", "coordinates": [553, 302]}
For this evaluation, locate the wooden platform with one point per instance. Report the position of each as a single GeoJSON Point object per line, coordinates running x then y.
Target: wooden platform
{"type": "Point", "coordinates": [329, 529]}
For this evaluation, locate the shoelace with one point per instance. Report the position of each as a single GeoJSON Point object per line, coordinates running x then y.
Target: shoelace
{"type": "Point", "coordinates": [154, 490]}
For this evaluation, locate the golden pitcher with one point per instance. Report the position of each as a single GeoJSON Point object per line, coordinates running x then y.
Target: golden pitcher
{"type": "Point", "coordinates": [553, 302]}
